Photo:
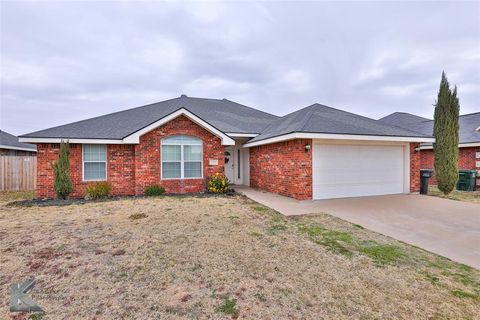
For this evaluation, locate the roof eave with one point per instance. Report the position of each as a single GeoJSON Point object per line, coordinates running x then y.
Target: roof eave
{"type": "Point", "coordinates": [334, 136]}
{"type": "Point", "coordinates": [460, 145]}
{"type": "Point", "coordinates": [134, 138]}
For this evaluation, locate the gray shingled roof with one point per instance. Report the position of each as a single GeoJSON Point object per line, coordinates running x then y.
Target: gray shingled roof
{"type": "Point", "coordinates": [225, 115]}
{"type": "Point", "coordinates": [468, 124]}
{"type": "Point", "coordinates": [229, 117]}
{"type": "Point", "coordinates": [11, 142]}
{"type": "Point", "coordinates": [403, 118]}
{"type": "Point", "coordinates": [318, 118]}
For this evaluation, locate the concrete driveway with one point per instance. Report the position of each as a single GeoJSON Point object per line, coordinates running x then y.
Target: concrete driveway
{"type": "Point", "coordinates": [447, 227]}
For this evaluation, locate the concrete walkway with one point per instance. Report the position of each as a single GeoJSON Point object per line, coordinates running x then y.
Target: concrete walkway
{"type": "Point", "coordinates": [447, 227]}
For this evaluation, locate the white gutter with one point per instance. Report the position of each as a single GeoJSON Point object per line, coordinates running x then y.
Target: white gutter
{"type": "Point", "coordinates": [328, 136]}
{"type": "Point", "coordinates": [460, 145]}
{"type": "Point", "coordinates": [17, 148]}
{"type": "Point", "coordinates": [81, 141]}
{"type": "Point", "coordinates": [241, 135]}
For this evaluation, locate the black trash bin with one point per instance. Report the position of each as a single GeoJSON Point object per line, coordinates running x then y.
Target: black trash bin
{"type": "Point", "coordinates": [425, 174]}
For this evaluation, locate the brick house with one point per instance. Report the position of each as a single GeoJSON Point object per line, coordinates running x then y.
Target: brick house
{"type": "Point", "coordinates": [317, 152]}
{"type": "Point", "coordinates": [10, 146]}
{"type": "Point", "coordinates": [469, 140]}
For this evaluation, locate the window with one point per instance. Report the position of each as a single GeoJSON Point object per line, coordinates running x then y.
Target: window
{"type": "Point", "coordinates": [94, 162]}
{"type": "Point", "coordinates": [182, 157]}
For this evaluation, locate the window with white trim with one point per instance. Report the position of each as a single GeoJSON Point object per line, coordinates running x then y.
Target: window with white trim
{"type": "Point", "coordinates": [94, 162]}
{"type": "Point", "coordinates": [182, 157]}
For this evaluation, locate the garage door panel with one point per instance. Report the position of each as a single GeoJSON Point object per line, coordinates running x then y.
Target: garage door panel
{"type": "Point", "coordinates": [357, 170]}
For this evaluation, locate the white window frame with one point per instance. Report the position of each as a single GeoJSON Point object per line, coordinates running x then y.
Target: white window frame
{"type": "Point", "coordinates": [83, 164]}
{"type": "Point", "coordinates": [182, 161]}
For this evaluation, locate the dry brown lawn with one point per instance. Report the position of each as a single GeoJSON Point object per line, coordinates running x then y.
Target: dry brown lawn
{"type": "Point", "coordinates": [469, 196]}
{"type": "Point", "coordinates": [220, 258]}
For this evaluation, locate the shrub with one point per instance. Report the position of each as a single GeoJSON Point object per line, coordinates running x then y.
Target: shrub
{"type": "Point", "coordinates": [218, 183]}
{"type": "Point", "coordinates": [99, 190]}
{"type": "Point", "coordinates": [61, 171]}
{"type": "Point", "coordinates": [154, 190]}
{"type": "Point", "coordinates": [445, 130]}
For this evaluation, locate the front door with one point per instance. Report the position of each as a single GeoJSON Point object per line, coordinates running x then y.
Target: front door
{"type": "Point", "coordinates": [233, 156]}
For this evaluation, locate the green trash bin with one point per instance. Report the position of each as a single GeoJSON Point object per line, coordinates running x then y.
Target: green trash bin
{"type": "Point", "coordinates": [466, 180]}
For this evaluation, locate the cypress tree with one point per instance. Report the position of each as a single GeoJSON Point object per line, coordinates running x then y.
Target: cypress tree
{"type": "Point", "coordinates": [445, 131]}
{"type": "Point", "coordinates": [61, 170]}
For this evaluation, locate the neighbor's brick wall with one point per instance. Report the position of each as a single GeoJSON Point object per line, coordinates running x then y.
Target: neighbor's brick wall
{"type": "Point", "coordinates": [148, 161]}
{"type": "Point", "coordinates": [414, 168]}
{"type": "Point", "coordinates": [466, 160]}
{"type": "Point", "coordinates": [131, 168]}
{"type": "Point", "coordinates": [284, 168]}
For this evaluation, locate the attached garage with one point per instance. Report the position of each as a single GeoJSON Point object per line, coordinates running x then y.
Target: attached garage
{"type": "Point", "coordinates": [324, 153]}
{"type": "Point", "coordinates": [355, 169]}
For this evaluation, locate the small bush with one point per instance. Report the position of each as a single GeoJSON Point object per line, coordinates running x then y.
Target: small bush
{"type": "Point", "coordinates": [99, 190]}
{"type": "Point", "coordinates": [218, 183]}
{"type": "Point", "coordinates": [154, 190]}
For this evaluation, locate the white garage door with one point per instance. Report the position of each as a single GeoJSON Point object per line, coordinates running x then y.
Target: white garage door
{"type": "Point", "coordinates": [341, 171]}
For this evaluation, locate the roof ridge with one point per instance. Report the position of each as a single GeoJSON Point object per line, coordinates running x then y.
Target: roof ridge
{"type": "Point", "coordinates": [271, 114]}
{"type": "Point", "coordinates": [308, 115]}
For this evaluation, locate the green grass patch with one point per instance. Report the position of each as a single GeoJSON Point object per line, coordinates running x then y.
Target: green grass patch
{"type": "Point", "coordinates": [37, 316]}
{"type": "Point", "coordinates": [260, 209]}
{"type": "Point", "coordinates": [432, 278]}
{"type": "Point", "coordinates": [382, 254]}
{"type": "Point", "coordinates": [463, 294]}
{"type": "Point", "coordinates": [336, 241]}
{"type": "Point", "coordinates": [228, 306]}
{"type": "Point", "coordinates": [277, 228]}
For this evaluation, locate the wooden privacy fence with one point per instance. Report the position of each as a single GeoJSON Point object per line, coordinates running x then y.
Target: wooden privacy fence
{"type": "Point", "coordinates": [18, 173]}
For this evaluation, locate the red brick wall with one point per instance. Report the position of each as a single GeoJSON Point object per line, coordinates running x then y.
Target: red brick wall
{"type": "Point", "coordinates": [131, 168]}
{"type": "Point", "coordinates": [414, 168]}
{"type": "Point", "coordinates": [148, 162]}
{"type": "Point", "coordinates": [120, 169]}
{"type": "Point", "coordinates": [284, 168]}
{"type": "Point", "coordinates": [45, 154]}
{"type": "Point", "coordinates": [466, 160]}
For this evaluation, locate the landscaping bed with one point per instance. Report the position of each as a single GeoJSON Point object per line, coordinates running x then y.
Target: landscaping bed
{"type": "Point", "coordinates": [220, 257]}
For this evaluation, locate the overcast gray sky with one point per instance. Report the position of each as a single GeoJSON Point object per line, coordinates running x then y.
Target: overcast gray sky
{"type": "Point", "coordinates": [66, 61]}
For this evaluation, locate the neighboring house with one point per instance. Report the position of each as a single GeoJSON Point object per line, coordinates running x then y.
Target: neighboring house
{"type": "Point", "coordinates": [469, 134]}
{"type": "Point", "coordinates": [317, 152]}
{"type": "Point", "coordinates": [10, 146]}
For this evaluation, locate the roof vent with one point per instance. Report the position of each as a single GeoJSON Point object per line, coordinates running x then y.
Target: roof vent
{"type": "Point", "coordinates": [183, 96]}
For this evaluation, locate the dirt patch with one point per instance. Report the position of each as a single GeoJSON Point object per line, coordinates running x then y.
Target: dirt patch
{"type": "Point", "coordinates": [217, 258]}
